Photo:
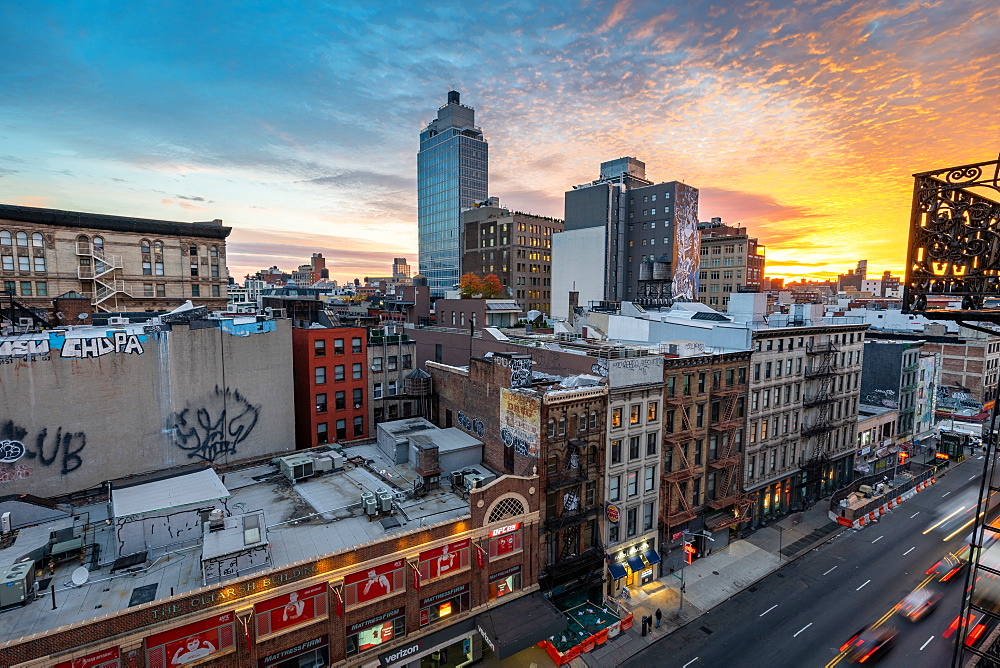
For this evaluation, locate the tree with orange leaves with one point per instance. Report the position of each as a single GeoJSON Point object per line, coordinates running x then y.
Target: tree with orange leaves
{"type": "Point", "coordinates": [470, 285]}
{"type": "Point", "coordinates": [492, 287]}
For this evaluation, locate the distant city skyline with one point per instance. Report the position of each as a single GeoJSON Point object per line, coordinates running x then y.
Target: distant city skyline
{"type": "Point", "coordinates": [298, 125]}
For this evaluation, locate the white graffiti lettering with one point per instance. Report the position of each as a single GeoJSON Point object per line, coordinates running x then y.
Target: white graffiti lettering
{"type": "Point", "coordinates": [23, 348]}
{"type": "Point", "coordinates": [11, 451]}
{"type": "Point", "coordinates": [118, 342]}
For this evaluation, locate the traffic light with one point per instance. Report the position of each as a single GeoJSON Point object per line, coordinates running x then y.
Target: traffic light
{"type": "Point", "coordinates": [689, 549]}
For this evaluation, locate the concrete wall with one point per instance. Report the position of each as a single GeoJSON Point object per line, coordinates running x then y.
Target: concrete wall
{"type": "Point", "coordinates": [141, 403]}
{"type": "Point", "coordinates": [579, 262]}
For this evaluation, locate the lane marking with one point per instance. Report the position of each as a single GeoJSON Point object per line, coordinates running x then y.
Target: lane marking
{"type": "Point", "coordinates": [910, 550]}
{"type": "Point", "coordinates": [972, 478]}
{"type": "Point", "coordinates": [914, 514]}
{"type": "Point", "coordinates": [829, 571]}
{"type": "Point", "coordinates": [802, 629]}
{"type": "Point", "coordinates": [689, 662]}
{"type": "Point", "coordinates": [767, 611]}
{"type": "Point", "coordinates": [862, 586]}
{"type": "Point", "coordinates": [925, 644]}
{"type": "Point", "coordinates": [878, 539]}
{"type": "Point", "coordinates": [836, 660]}
{"type": "Point", "coordinates": [945, 494]}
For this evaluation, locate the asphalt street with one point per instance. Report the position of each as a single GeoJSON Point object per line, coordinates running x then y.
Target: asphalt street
{"type": "Point", "coordinates": [801, 614]}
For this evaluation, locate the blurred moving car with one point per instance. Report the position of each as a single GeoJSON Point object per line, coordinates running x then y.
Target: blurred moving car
{"type": "Point", "coordinates": [950, 564]}
{"type": "Point", "coordinates": [869, 644]}
{"type": "Point", "coordinates": [919, 603]}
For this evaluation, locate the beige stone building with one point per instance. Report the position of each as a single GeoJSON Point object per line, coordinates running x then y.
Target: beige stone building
{"type": "Point", "coordinates": [119, 263]}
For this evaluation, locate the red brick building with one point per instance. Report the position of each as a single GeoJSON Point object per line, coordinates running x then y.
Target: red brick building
{"type": "Point", "coordinates": [330, 366]}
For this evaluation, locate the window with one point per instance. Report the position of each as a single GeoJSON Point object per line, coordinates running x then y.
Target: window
{"type": "Point", "coordinates": [630, 526]}
{"type": "Point", "coordinates": [26, 288]}
{"type": "Point", "coordinates": [157, 246]}
{"type": "Point", "coordinates": [213, 251]}
{"type": "Point", "coordinates": [340, 400]}
{"type": "Point", "coordinates": [633, 416]}
{"type": "Point", "coordinates": [650, 480]}
{"type": "Point", "coordinates": [161, 290]}
{"type": "Point", "coordinates": [145, 246]}
{"type": "Point", "coordinates": [615, 488]}
{"type": "Point", "coordinates": [320, 375]}
{"type": "Point", "coordinates": [22, 239]}
{"type": "Point", "coordinates": [194, 266]}
{"type": "Point", "coordinates": [8, 263]}
{"type": "Point", "coordinates": [196, 291]}
{"type": "Point", "coordinates": [214, 269]}
{"type": "Point", "coordinates": [5, 239]}
{"type": "Point", "coordinates": [378, 390]}
{"type": "Point", "coordinates": [147, 290]}
{"type": "Point", "coordinates": [216, 291]}
{"type": "Point", "coordinates": [356, 371]}
{"type": "Point", "coordinates": [593, 420]}
{"type": "Point", "coordinates": [42, 289]}
{"type": "Point", "coordinates": [377, 364]}
{"type": "Point", "coordinates": [321, 402]}
{"type": "Point", "coordinates": [651, 442]}
{"type": "Point", "coordinates": [39, 263]}
{"type": "Point", "coordinates": [98, 243]}
{"type": "Point", "coordinates": [613, 535]}
{"type": "Point", "coordinates": [562, 426]}
{"type": "Point", "coordinates": [158, 266]}
{"type": "Point", "coordinates": [319, 348]}
{"type": "Point", "coordinates": [338, 372]}
{"type": "Point", "coordinates": [359, 397]}
{"type": "Point", "coordinates": [582, 423]}
{"type": "Point", "coordinates": [393, 362]}
{"type": "Point", "coordinates": [407, 361]}
{"type": "Point", "coordinates": [192, 250]}
{"type": "Point", "coordinates": [341, 429]}
{"type": "Point", "coordinates": [392, 388]}
{"type": "Point", "coordinates": [10, 287]}
{"type": "Point", "coordinates": [321, 434]}
{"type": "Point", "coordinates": [616, 452]}
{"type": "Point", "coordinates": [633, 448]}
{"type": "Point", "coordinates": [616, 418]}
{"type": "Point", "coordinates": [633, 483]}
{"type": "Point", "coordinates": [356, 345]}
{"type": "Point", "coordinates": [24, 263]}
{"type": "Point", "coordinates": [652, 410]}
{"type": "Point", "coordinates": [359, 426]}
{"type": "Point", "coordinates": [147, 268]}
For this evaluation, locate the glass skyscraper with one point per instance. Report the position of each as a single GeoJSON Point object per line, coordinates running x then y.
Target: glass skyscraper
{"type": "Point", "coordinates": [452, 168]}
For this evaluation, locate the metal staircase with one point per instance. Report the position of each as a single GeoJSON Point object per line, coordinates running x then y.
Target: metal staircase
{"type": "Point", "coordinates": [103, 275]}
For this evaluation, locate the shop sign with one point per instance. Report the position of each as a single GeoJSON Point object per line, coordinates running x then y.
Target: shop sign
{"type": "Point", "coordinates": [373, 583]}
{"type": "Point", "coordinates": [105, 658]}
{"type": "Point", "coordinates": [281, 612]}
{"type": "Point", "coordinates": [444, 560]}
{"type": "Point", "coordinates": [613, 513]}
{"type": "Point", "coordinates": [193, 642]}
{"type": "Point", "coordinates": [499, 531]}
{"type": "Point", "coordinates": [292, 652]}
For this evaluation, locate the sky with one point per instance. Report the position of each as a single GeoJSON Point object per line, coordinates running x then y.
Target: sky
{"type": "Point", "coordinates": [297, 123]}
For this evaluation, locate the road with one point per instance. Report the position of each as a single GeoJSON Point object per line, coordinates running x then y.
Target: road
{"type": "Point", "coordinates": [801, 614]}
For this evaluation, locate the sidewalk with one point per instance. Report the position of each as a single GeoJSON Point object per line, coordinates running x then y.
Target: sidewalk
{"type": "Point", "coordinates": [714, 579]}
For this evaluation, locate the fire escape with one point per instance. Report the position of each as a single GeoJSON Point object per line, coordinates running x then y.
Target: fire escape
{"type": "Point", "coordinates": [821, 371]}
{"type": "Point", "coordinates": [953, 259]}
{"type": "Point", "coordinates": [729, 463]}
{"type": "Point", "coordinates": [676, 439]}
{"type": "Point", "coordinates": [103, 275]}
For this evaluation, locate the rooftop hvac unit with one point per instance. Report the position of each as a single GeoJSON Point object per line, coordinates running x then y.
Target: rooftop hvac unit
{"type": "Point", "coordinates": [473, 481]}
{"type": "Point", "coordinates": [385, 502]}
{"type": "Point", "coordinates": [337, 460]}
{"type": "Point", "coordinates": [369, 503]}
{"type": "Point", "coordinates": [296, 467]}
{"type": "Point", "coordinates": [118, 321]}
{"type": "Point", "coordinates": [322, 463]}
{"type": "Point", "coordinates": [16, 582]}
{"type": "Point", "coordinates": [456, 478]}
{"type": "Point", "coordinates": [25, 322]}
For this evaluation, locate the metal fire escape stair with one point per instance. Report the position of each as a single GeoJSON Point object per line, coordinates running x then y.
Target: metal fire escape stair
{"type": "Point", "coordinates": [103, 275]}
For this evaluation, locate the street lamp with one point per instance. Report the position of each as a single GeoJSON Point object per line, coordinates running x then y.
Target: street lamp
{"type": "Point", "coordinates": [689, 550]}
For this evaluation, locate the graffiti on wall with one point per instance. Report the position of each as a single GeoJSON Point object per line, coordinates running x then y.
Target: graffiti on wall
{"type": "Point", "coordinates": [56, 448]}
{"type": "Point", "coordinates": [216, 427]}
{"type": "Point", "coordinates": [687, 248]}
{"type": "Point", "coordinates": [474, 425]}
{"type": "Point", "coordinates": [39, 349]}
{"type": "Point", "coordinates": [520, 372]}
{"type": "Point", "coordinates": [99, 346]}
{"type": "Point", "coordinates": [519, 417]}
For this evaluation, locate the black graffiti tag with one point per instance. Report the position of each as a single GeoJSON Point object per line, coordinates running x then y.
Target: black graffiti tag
{"type": "Point", "coordinates": [216, 428]}
{"type": "Point", "coordinates": [62, 447]}
{"type": "Point", "coordinates": [475, 425]}
{"type": "Point", "coordinates": [511, 441]}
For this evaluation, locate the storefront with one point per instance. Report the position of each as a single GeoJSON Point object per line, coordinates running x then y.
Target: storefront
{"type": "Point", "coordinates": [453, 646]}
{"type": "Point", "coordinates": [313, 653]}
{"type": "Point", "coordinates": [632, 565]}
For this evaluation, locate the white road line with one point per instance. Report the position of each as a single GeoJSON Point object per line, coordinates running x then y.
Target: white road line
{"type": "Point", "coordinates": [914, 514]}
{"type": "Point", "coordinates": [767, 611]}
{"type": "Point", "coordinates": [945, 494]}
{"type": "Point", "coordinates": [910, 550]}
{"type": "Point", "coordinates": [689, 662]}
{"type": "Point", "coordinates": [878, 539]}
{"type": "Point", "coordinates": [829, 571]}
{"type": "Point", "coordinates": [862, 586]}
{"type": "Point", "coordinates": [925, 644]}
{"type": "Point", "coordinates": [979, 457]}
{"type": "Point", "coordinates": [802, 629]}
{"type": "Point", "coordinates": [972, 478]}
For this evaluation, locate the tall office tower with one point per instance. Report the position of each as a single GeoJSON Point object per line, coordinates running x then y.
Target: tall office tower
{"type": "Point", "coordinates": [627, 239]}
{"type": "Point", "coordinates": [452, 168]}
{"type": "Point", "coordinates": [400, 269]}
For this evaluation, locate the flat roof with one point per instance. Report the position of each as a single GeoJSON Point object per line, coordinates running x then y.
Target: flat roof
{"type": "Point", "coordinates": [305, 520]}
{"type": "Point", "coordinates": [183, 490]}
{"type": "Point", "coordinates": [103, 221]}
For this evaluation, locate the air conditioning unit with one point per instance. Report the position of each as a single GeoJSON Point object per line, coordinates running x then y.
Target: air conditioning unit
{"type": "Point", "coordinates": [369, 503]}
{"type": "Point", "coordinates": [5, 523]}
{"type": "Point", "coordinates": [116, 321]}
{"type": "Point", "coordinates": [296, 467]}
{"type": "Point", "coordinates": [25, 322]}
{"type": "Point", "coordinates": [322, 464]}
{"type": "Point", "coordinates": [457, 478]}
{"type": "Point", "coordinates": [473, 482]}
{"type": "Point", "coordinates": [338, 461]}
{"type": "Point", "coordinates": [385, 502]}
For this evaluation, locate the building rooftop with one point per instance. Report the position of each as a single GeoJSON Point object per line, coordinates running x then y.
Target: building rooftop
{"type": "Point", "coordinates": [312, 517]}
{"type": "Point", "coordinates": [101, 221]}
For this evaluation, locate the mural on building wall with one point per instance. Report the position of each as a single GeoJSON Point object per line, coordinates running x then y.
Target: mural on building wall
{"type": "Point", "coordinates": [474, 425]}
{"type": "Point", "coordinates": [519, 418]}
{"type": "Point", "coordinates": [216, 427]}
{"type": "Point", "coordinates": [687, 246]}
{"type": "Point", "coordinates": [41, 346]}
{"type": "Point", "coordinates": [62, 449]}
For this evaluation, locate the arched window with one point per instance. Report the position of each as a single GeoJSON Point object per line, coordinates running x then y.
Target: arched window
{"type": "Point", "coordinates": [36, 240]}
{"type": "Point", "coordinates": [5, 239]}
{"type": "Point", "coordinates": [158, 246]}
{"type": "Point", "coordinates": [22, 238]}
{"type": "Point", "coordinates": [99, 243]}
{"type": "Point", "coordinates": [145, 246]}
{"type": "Point", "coordinates": [507, 507]}
{"type": "Point", "coordinates": [213, 251]}
{"type": "Point", "coordinates": [83, 238]}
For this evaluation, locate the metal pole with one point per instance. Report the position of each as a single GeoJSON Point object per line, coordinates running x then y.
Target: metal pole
{"type": "Point", "coordinates": [781, 534]}
{"type": "Point", "coordinates": [52, 588]}
{"type": "Point", "coordinates": [681, 602]}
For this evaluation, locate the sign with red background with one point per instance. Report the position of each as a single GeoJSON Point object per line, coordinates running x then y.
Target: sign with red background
{"type": "Point", "coordinates": [192, 642]}
{"type": "Point", "coordinates": [281, 612]}
{"type": "Point", "coordinates": [374, 582]}
{"type": "Point", "coordinates": [105, 658]}
{"type": "Point", "coordinates": [444, 560]}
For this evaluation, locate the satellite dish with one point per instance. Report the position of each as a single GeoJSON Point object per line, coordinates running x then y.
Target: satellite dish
{"type": "Point", "coordinates": [83, 316]}
{"type": "Point", "coordinates": [80, 576]}
{"type": "Point", "coordinates": [60, 315]}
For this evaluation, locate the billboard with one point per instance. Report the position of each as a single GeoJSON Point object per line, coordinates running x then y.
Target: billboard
{"type": "Point", "coordinates": [193, 642]}
{"type": "Point", "coordinates": [635, 371]}
{"type": "Point", "coordinates": [520, 415]}
{"type": "Point", "coordinates": [282, 612]}
{"type": "Point", "coordinates": [373, 583]}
